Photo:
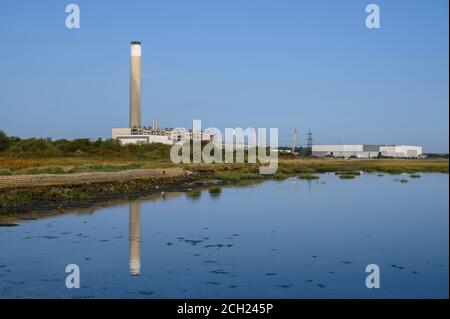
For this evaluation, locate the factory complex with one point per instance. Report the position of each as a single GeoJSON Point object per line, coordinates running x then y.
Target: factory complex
{"type": "Point", "coordinates": [367, 151]}
{"type": "Point", "coordinates": [136, 133]}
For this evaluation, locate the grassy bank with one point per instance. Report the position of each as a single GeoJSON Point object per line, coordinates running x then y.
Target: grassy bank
{"type": "Point", "coordinates": [59, 198]}
{"type": "Point", "coordinates": [43, 156]}
{"type": "Point", "coordinates": [305, 168]}
{"type": "Point", "coordinates": [69, 165]}
{"type": "Point", "coordinates": [46, 156]}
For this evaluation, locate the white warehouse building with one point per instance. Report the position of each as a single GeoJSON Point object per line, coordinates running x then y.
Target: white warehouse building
{"type": "Point", "coordinates": [367, 151]}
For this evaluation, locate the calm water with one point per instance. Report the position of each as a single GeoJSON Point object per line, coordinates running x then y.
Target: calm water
{"type": "Point", "coordinates": [289, 239]}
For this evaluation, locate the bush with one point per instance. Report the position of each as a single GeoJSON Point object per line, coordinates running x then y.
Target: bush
{"type": "Point", "coordinates": [4, 141]}
{"type": "Point", "coordinates": [15, 150]}
{"type": "Point", "coordinates": [5, 171]}
{"type": "Point", "coordinates": [46, 147]}
{"type": "Point", "coordinates": [35, 144]}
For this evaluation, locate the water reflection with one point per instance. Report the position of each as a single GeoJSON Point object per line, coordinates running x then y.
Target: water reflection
{"type": "Point", "coordinates": [135, 238]}
{"type": "Point", "coordinates": [194, 194]}
{"type": "Point", "coordinates": [215, 191]}
{"type": "Point", "coordinates": [249, 247]}
{"type": "Point", "coordinates": [294, 184]}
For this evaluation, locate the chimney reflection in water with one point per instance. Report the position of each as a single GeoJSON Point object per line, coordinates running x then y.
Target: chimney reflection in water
{"type": "Point", "coordinates": [135, 238]}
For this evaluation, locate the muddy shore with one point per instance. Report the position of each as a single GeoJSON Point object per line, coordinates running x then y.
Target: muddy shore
{"type": "Point", "coordinates": [61, 193]}
{"type": "Point", "coordinates": [42, 180]}
{"type": "Point", "coordinates": [105, 196]}
{"type": "Point", "coordinates": [42, 193]}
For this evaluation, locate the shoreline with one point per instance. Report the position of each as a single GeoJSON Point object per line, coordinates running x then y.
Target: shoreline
{"type": "Point", "coordinates": [48, 207]}
{"type": "Point", "coordinates": [20, 194]}
{"type": "Point", "coordinates": [76, 179]}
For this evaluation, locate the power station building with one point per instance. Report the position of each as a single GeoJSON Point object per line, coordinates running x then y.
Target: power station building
{"type": "Point", "coordinates": [136, 133]}
{"type": "Point", "coordinates": [367, 151]}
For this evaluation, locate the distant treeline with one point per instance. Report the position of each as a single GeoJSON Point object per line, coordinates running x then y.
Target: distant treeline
{"type": "Point", "coordinates": [46, 147]}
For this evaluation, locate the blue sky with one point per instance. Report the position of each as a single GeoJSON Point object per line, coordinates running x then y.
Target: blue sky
{"type": "Point", "coordinates": [286, 64]}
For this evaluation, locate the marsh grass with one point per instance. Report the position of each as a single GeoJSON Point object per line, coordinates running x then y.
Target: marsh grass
{"type": "Point", "coordinates": [28, 156]}
{"type": "Point", "coordinates": [279, 176]}
{"type": "Point", "coordinates": [308, 176]}
{"type": "Point", "coordinates": [110, 157]}
{"type": "Point", "coordinates": [348, 173]}
{"type": "Point", "coordinates": [238, 175]}
{"type": "Point", "coordinates": [215, 191]}
{"type": "Point", "coordinates": [394, 171]}
{"type": "Point", "coordinates": [347, 176]}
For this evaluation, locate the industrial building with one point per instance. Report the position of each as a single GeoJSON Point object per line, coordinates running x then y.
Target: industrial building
{"type": "Point", "coordinates": [367, 151]}
{"type": "Point", "coordinates": [135, 133]}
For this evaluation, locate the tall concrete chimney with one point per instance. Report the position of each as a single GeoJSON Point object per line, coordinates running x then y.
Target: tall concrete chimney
{"type": "Point", "coordinates": [135, 85]}
{"type": "Point", "coordinates": [135, 238]}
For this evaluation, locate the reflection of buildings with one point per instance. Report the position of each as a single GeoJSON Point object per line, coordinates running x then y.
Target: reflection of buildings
{"type": "Point", "coordinates": [135, 238]}
{"type": "Point", "coordinates": [135, 228]}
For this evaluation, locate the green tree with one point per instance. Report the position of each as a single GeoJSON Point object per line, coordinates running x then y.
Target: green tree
{"type": "Point", "coordinates": [4, 141]}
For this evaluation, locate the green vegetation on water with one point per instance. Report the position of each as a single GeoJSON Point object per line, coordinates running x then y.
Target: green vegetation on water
{"type": "Point", "coordinates": [215, 190]}
{"type": "Point", "coordinates": [308, 176]}
{"type": "Point", "coordinates": [346, 176]}
{"type": "Point", "coordinates": [238, 175]}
